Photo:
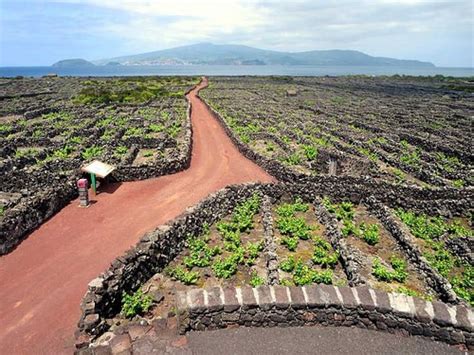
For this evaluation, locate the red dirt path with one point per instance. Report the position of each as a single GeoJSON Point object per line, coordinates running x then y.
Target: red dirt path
{"type": "Point", "coordinates": [43, 280]}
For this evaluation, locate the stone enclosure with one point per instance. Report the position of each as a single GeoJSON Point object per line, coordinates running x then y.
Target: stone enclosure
{"type": "Point", "coordinates": [369, 225]}
{"type": "Point", "coordinates": [50, 127]}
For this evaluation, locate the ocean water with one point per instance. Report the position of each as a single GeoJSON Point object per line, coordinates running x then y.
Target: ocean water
{"type": "Point", "coordinates": [298, 70]}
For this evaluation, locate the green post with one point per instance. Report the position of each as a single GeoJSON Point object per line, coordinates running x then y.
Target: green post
{"type": "Point", "coordinates": [93, 183]}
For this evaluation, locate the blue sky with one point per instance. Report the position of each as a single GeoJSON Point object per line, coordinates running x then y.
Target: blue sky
{"type": "Point", "coordinates": [41, 32]}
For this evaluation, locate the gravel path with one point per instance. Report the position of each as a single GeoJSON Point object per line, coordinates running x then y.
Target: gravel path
{"type": "Point", "coordinates": [310, 340]}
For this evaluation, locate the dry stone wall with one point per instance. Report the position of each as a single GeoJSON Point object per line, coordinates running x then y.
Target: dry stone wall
{"type": "Point", "coordinates": [440, 201]}
{"type": "Point", "coordinates": [270, 306]}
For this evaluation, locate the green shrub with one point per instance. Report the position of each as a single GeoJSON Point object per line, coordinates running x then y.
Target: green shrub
{"type": "Point", "coordinates": [62, 153]}
{"type": "Point", "coordinates": [92, 152]}
{"type": "Point", "coordinates": [5, 128]}
{"type": "Point", "coordinates": [310, 152]}
{"type": "Point", "coordinates": [447, 163]}
{"type": "Point", "coordinates": [458, 183]}
{"type": "Point", "coordinates": [440, 258]}
{"type": "Point", "coordinates": [156, 127]}
{"type": "Point", "coordinates": [121, 151]}
{"type": "Point", "coordinates": [29, 152]}
{"type": "Point", "coordinates": [286, 282]}
{"type": "Point", "coordinates": [322, 254]}
{"type": "Point", "coordinates": [294, 227]}
{"type": "Point", "coordinates": [227, 267]}
{"type": "Point", "coordinates": [136, 303]}
{"type": "Point", "coordinates": [411, 158]}
{"type": "Point", "coordinates": [252, 250]}
{"type": "Point", "coordinates": [241, 220]}
{"type": "Point", "coordinates": [463, 284]}
{"type": "Point", "coordinates": [399, 272]}
{"type": "Point", "coordinates": [201, 254]}
{"type": "Point", "coordinates": [370, 233]}
{"type": "Point", "coordinates": [290, 242]}
{"type": "Point", "coordinates": [349, 228]}
{"type": "Point", "coordinates": [133, 132]}
{"type": "Point", "coordinates": [288, 264]}
{"type": "Point", "coordinates": [180, 274]}
{"type": "Point", "coordinates": [293, 159]}
{"type": "Point", "coordinates": [431, 228]}
{"type": "Point", "coordinates": [289, 209]}
{"type": "Point", "coordinates": [303, 275]}
{"type": "Point", "coordinates": [256, 280]}
{"type": "Point", "coordinates": [76, 140]}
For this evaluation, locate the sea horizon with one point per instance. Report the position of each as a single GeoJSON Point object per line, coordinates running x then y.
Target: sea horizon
{"type": "Point", "coordinates": [233, 70]}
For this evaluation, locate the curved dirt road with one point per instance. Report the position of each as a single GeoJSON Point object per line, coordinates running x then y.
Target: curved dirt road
{"type": "Point", "coordinates": [43, 280]}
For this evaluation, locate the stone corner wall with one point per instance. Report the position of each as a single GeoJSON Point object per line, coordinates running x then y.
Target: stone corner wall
{"type": "Point", "coordinates": [268, 306]}
{"type": "Point", "coordinates": [151, 255]}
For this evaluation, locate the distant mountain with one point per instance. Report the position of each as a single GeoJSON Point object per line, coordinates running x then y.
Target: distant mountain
{"type": "Point", "coordinates": [208, 53]}
{"type": "Point", "coordinates": [70, 63]}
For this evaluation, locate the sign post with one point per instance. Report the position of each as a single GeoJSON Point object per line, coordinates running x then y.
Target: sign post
{"type": "Point", "coordinates": [93, 183]}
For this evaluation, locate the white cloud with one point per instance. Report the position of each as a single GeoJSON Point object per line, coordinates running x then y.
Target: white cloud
{"type": "Point", "coordinates": [399, 28]}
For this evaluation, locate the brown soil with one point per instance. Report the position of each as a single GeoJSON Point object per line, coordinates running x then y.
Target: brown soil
{"type": "Point", "coordinates": [44, 279]}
